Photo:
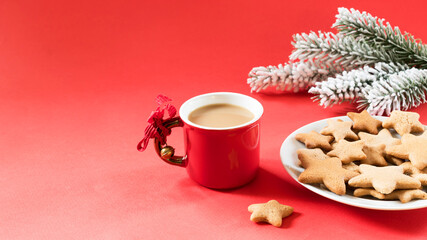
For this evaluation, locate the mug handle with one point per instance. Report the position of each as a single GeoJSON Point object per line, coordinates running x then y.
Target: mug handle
{"type": "Point", "coordinates": [166, 152]}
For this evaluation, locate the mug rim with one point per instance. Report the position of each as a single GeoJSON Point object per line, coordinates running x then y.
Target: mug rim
{"type": "Point", "coordinates": [257, 114]}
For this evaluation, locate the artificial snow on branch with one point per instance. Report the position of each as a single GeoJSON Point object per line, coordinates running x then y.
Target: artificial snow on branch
{"type": "Point", "coordinates": [376, 31]}
{"type": "Point", "coordinates": [349, 85]}
{"type": "Point", "coordinates": [328, 47]}
{"type": "Point", "coordinates": [367, 61]}
{"type": "Point", "coordinates": [293, 76]}
{"type": "Point", "coordinates": [403, 90]}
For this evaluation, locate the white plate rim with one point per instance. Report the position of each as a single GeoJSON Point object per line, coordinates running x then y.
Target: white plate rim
{"type": "Point", "coordinates": [290, 162]}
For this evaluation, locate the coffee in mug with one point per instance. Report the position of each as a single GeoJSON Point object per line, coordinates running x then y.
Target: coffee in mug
{"type": "Point", "coordinates": [220, 115]}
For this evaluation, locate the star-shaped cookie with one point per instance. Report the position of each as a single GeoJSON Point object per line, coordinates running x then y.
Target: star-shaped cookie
{"type": "Point", "coordinates": [271, 212]}
{"type": "Point", "coordinates": [329, 172]}
{"type": "Point", "coordinates": [404, 122]}
{"type": "Point", "coordinates": [351, 166]}
{"type": "Point", "coordinates": [413, 148]}
{"type": "Point", "coordinates": [315, 153]}
{"type": "Point", "coordinates": [348, 151]}
{"type": "Point", "coordinates": [403, 195]}
{"type": "Point", "coordinates": [314, 139]}
{"type": "Point", "coordinates": [383, 137]}
{"type": "Point", "coordinates": [364, 122]}
{"type": "Point", "coordinates": [374, 155]}
{"type": "Point", "coordinates": [383, 179]}
{"type": "Point", "coordinates": [407, 195]}
{"type": "Point", "coordinates": [415, 172]}
{"type": "Point", "coordinates": [360, 192]}
{"type": "Point", "coordinates": [394, 160]}
{"type": "Point", "coordinates": [340, 130]}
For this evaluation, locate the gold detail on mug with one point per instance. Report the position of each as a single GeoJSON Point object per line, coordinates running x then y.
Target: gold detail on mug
{"type": "Point", "coordinates": [220, 115]}
{"type": "Point", "coordinates": [167, 152]}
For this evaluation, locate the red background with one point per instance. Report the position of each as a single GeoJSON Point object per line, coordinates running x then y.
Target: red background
{"type": "Point", "coordinates": [79, 78]}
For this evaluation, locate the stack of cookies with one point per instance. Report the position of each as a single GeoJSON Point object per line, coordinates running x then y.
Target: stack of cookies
{"type": "Point", "coordinates": [363, 157]}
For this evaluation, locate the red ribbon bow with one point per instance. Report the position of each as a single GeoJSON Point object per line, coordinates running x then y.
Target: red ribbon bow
{"type": "Point", "coordinates": [155, 128]}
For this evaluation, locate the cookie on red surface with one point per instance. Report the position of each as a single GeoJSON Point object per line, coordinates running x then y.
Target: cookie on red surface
{"type": "Point", "coordinates": [348, 151]}
{"type": "Point", "coordinates": [413, 148]}
{"type": "Point", "coordinates": [340, 130]}
{"type": "Point", "coordinates": [364, 122]}
{"type": "Point", "coordinates": [314, 139]}
{"type": "Point", "coordinates": [271, 212]}
{"type": "Point", "coordinates": [328, 171]}
{"type": "Point", "coordinates": [383, 179]}
{"type": "Point", "coordinates": [404, 122]}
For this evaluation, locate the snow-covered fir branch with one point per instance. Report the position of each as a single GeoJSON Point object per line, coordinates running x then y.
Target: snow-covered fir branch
{"type": "Point", "coordinates": [292, 76]}
{"type": "Point", "coordinates": [377, 32]}
{"type": "Point", "coordinates": [345, 51]}
{"type": "Point", "coordinates": [349, 85]}
{"type": "Point", "coordinates": [367, 61]}
{"type": "Point", "coordinates": [401, 91]}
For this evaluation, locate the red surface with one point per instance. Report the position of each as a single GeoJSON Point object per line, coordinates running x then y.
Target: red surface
{"type": "Point", "coordinates": [79, 78]}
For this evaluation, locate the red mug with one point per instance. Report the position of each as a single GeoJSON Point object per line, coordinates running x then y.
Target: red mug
{"type": "Point", "coordinates": [218, 158]}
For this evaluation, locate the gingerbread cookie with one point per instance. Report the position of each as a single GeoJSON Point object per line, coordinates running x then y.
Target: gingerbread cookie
{"type": "Point", "coordinates": [414, 172]}
{"type": "Point", "coordinates": [271, 212]}
{"type": "Point", "coordinates": [316, 153]}
{"type": "Point", "coordinates": [348, 151]}
{"type": "Point", "coordinates": [360, 192]}
{"type": "Point", "coordinates": [394, 160]}
{"type": "Point", "coordinates": [329, 172]}
{"type": "Point", "coordinates": [407, 195]}
{"type": "Point", "coordinates": [364, 122]}
{"type": "Point", "coordinates": [382, 166]}
{"type": "Point", "coordinates": [383, 137]}
{"type": "Point", "coordinates": [340, 130]}
{"type": "Point", "coordinates": [315, 140]}
{"type": "Point", "coordinates": [413, 148]}
{"type": "Point", "coordinates": [404, 122]}
{"type": "Point", "coordinates": [374, 155]}
{"type": "Point", "coordinates": [403, 195]}
{"type": "Point", "coordinates": [383, 179]}
{"type": "Point", "coordinates": [352, 167]}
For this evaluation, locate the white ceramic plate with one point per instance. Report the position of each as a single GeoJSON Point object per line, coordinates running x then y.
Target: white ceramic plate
{"type": "Point", "coordinates": [290, 162]}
